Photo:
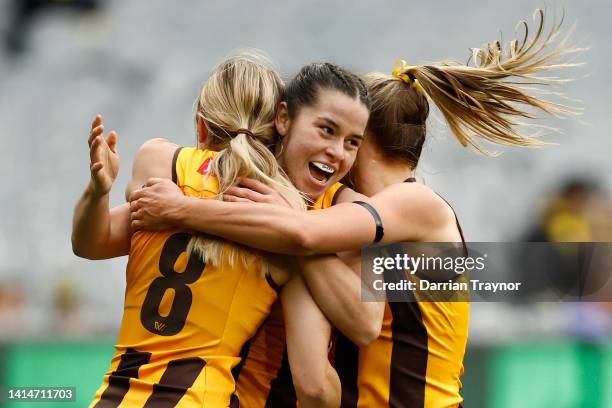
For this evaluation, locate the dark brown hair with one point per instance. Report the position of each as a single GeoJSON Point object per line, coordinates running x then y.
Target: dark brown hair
{"type": "Point", "coordinates": [303, 89]}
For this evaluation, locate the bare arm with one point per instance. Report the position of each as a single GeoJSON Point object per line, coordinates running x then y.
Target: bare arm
{"type": "Point", "coordinates": [336, 287]}
{"type": "Point", "coordinates": [308, 333]}
{"type": "Point", "coordinates": [153, 159]}
{"type": "Point", "coordinates": [334, 281]}
{"type": "Point", "coordinates": [335, 284]}
{"type": "Point", "coordinates": [273, 228]}
{"type": "Point", "coordinates": [408, 213]}
{"type": "Point", "coordinates": [99, 232]}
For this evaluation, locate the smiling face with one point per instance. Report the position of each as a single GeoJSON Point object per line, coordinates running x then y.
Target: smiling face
{"type": "Point", "coordinates": [320, 143]}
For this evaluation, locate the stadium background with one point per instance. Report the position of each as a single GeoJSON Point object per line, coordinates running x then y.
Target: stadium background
{"type": "Point", "coordinates": [140, 64]}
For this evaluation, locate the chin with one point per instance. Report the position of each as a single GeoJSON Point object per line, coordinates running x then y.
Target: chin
{"type": "Point", "coordinates": [313, 193]}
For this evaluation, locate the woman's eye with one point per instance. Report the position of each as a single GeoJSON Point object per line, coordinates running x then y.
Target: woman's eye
{"type": "Point", "coordinates": [353, 142]}
{"type": "Point", "coordinates": [327, 130]}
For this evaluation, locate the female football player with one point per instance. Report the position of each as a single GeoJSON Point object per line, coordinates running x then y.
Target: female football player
{"type": "Point", "coordinates": [417, 360]}
{"type": "Point", "coordinates": [193, 302]}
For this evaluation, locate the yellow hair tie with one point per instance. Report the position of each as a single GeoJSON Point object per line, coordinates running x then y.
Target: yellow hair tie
{"type": "Point", "coordinates": [401, 71]}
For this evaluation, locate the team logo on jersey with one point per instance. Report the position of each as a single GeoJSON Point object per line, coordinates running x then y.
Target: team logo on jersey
{"type": "Point", "coordinates": [205, 167]}
{"type": "Point", "coordinates": [160, 327]}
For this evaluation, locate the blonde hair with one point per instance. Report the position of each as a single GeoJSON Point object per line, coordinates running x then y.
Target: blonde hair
{"type": "Point", "coordinates": [479, 102]}
{"type": "Point", "coordinates": [237, 105]}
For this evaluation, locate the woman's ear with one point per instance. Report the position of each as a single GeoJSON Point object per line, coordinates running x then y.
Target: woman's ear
{"type": "Point", "coordinates": [282, 121]}
{"type": "Point", "coordinates": [202, 131]}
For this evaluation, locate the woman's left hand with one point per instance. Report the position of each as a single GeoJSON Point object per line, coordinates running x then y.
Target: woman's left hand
{"type": "Point", "coordinates": [253, 191]}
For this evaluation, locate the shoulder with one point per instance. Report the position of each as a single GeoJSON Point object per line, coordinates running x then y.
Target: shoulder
{"type": "Point", "coordinates": [417, 204]}
{"type": "Point", "coordinates": [418, 197]}
{"type": "Point", "coordinates": [157, 146]}
{"type": "Point", "coordinates": [412, 190]}
{"type": "Point", "coordinates": [155, 153]}
{"type": "Point", "coordinates": [154, 158]}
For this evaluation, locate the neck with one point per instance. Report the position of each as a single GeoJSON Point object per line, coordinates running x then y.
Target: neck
{"type": "Point", "coordinates": [382, 174]}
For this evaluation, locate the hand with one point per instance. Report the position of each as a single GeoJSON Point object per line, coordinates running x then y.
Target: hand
{"type": "Point", "coordinates": [103, 158]}
{"type": "Point", "coordinates": [156, 206]}
{"type": "Point", "coordinates": [253, 191]}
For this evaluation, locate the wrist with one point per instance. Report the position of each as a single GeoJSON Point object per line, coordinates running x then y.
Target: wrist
{"type": "Point", "coordinates": [93, 193]}
{"type": "Point", "coordinates": [178, 216]}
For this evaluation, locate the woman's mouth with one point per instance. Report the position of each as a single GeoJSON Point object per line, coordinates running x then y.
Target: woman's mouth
{"type": "Point", "coordinates": [321, 172]}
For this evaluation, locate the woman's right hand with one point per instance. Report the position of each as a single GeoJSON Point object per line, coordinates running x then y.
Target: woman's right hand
{"type": "Point", "coordinates": [104, 160]}
{"type": "Point", "coordinates": [253, 191]}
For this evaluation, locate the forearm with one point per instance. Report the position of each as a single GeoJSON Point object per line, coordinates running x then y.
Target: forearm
{"type": "Point", "coordinates": [337, 290]}
{"type": "Point", "coordinates": [263, 226]}
{"type": "Point", "coordinates": [278, 229]}
{"type": "Point", "coordinates": [307, 335]}
{"type": "Point", "coordinates": [97, 231]}
{"type": "Point", "coordinates": [90, 224]}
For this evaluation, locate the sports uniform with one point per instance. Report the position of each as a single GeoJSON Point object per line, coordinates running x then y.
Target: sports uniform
{"type": "Point", "coordinates": [186, 324]}
{"type": "Point", "coordinates": [416, 361]}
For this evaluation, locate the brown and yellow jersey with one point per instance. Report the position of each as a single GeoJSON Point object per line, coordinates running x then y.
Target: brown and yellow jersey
{"type": "Point", "coordinates": [265, 379]}
{"type": "Point", "coordinates": [417, 360]}
{"type": "Point", "coordinates": [185, 323]}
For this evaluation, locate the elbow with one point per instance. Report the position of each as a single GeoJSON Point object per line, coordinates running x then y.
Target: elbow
{"type": "Point", "coordinates": [82, 251]}
{"type": "Point", "coordinates": [362, 339]}
{"type": "Point", "coordinates": [311, 391]}
{"type": "Point", "coordinates": [366, 334]}
{"type": "Point", "coordinates": [317, 386]}
{"type": "Point", "coordinates": [77, 249]}
{"type": "Point", "coordinates": [311, 396]}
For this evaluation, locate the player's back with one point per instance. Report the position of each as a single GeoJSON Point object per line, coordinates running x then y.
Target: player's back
{"type": "Point", "coordinates": [185, 323]}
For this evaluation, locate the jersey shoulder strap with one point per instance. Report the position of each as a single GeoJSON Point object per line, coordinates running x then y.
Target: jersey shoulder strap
{"type": "Point", "coordinates": [329, 197]}
{"type": "Point", "coordinates": [192, 168]}
{"type": "Point", "coordinates": [412, 180]}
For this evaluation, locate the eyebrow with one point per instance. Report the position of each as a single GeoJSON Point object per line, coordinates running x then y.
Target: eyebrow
{"type": "Point", "coordinates": [334, 124]}
{"type": "Point", "coordinates": [329, 121]}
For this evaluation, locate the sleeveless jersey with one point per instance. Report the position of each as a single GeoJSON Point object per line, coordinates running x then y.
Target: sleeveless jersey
{"type": "Point", "coordinates": [185, 324]}
{"type": "Point", "coordinates": [416, 361]}
{"type": "Point", "coordinates": [265, 379]}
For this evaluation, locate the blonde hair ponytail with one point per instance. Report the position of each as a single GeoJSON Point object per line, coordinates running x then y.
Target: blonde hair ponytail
{"type": "Point", "coordinates": [237, 104]}
{"type": "Point", "coordinates": [483, 101]}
